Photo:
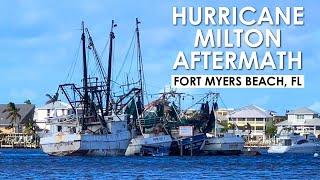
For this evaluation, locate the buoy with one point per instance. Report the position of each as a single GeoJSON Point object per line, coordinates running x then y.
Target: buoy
{"type": "Point", "coordinates": [315, 155]}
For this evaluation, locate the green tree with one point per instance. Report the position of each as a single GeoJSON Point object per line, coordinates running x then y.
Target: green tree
{"type": "Point", "coordinates": [27, 101]}
{"type": "Point", "coordinates": [29, 128]}
{"type": "Point", "coordinates": [271, 129]}
{"type": "Point", "coordinates": [13, 114]}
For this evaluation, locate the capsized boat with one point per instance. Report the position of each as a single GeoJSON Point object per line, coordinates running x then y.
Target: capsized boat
{"type": "Point", "coordinates": [97, 124]}
{"type": "Point", "coordinates": [291, 142]}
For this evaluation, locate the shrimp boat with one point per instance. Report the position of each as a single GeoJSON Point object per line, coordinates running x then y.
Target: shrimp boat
{"type": "Point", "coordinates": [223, 144]}
{"type": "Point", "coordinates": [226, 144]}
{"type": "Point", "coordinates": [151, 139]}
{"type": "Point", "coordinates": [186, 133]}
{"type": "Point", "coordinates": [98, 124]}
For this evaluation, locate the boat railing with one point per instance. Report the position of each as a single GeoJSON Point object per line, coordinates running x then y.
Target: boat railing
{"type": "Point", "coordinates": [147, 122]}
{"type": "Point", "coordinates": [59, 119]}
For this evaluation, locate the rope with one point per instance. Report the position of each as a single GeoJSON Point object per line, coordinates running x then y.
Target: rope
{"type": "Point", "coordinates": [126, 56]}
{"type": "Point", "coordinates": [73, 65]}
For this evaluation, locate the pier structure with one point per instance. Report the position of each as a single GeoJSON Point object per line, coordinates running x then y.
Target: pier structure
{"type": "Point", "coordinates": [19, 140]}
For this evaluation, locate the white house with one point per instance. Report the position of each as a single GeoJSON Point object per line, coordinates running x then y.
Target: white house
{"type": "Point", "coordinates": [302, 120]}
{"type": "Point", "coordinates": [57, 108]}
{"type": "Point", "coordinates": [253, 115]}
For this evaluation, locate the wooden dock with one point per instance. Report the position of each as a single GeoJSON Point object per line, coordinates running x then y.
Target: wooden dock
{"type": "Point", "coordinates": [19, 140]}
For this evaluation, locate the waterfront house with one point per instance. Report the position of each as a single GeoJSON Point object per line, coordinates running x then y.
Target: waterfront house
{"type": "Point", "coordinates": [7, 125]}
{"type": "Point", "coordinates": [57, 108]}
{"type": "Point", "coordinates": [256, 117]}
{"type": "Point", "coordinates": [302, 120]}
{"type": "Point", "coordinates": [223, 114]}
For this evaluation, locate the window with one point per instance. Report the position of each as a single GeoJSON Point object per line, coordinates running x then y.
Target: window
{"type": "Point", "coordinates": [241, 119]}
{"type": "Point", "coordinates": [250, 119]}
{"type": "Point", "coordinates": [259, 127]}
{"type": "Point", "coordinates": [59, 128]}
{"type": "Point", "coordinates": [317, 127]}
{"type": "Point", "coordinates": [300, 116]}
{"type": "Point", "coordinates": [259, 119]}
{"type": "Point", "coordinates": [302, 141]}
{"type": "Point", "coordinates": [286, 142]}
{"type": "Point", "coordinates": [48, 112]}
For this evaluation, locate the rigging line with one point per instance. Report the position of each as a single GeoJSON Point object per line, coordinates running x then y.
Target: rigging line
{"type": "Point", "coordinates": [196, 103]}
{"type": "Point", "coordinates": [133, 50]}
{"type": "Point", "coordinates": [223, 102]}
{"type": "Point", "coordinates": [104, 49]}
{"type": "Point", "coordinates": [72, 67]}
{"type": "Point", "coordinates": [126, 56]}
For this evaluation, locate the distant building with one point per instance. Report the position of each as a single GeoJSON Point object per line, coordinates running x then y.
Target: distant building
{"type": "Point", "coordinates": [26, 111]}
{"type": "Point", "coordinates": [302, 119]}
{"type": "Point", "coordinates": [53, 109]}
{"type": "Point", "coordinates": [223, 114]}
{"type": "Point", "coordinates": [256, 117]}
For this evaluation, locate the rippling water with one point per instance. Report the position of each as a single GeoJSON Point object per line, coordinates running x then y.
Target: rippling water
{"type": "Point", "coordinates": [19, 163]}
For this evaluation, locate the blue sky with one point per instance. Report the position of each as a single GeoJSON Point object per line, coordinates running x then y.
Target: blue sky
{"type": "Point", "coordinates": [40, 40]}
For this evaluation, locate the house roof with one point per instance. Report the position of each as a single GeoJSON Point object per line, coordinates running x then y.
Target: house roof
{"type": "Point", "coordinates": [303, 110]}
{"type": "Point", "coordinates": [307, 122]}
{"type": "Point", "coordinates": [250, 111]}
{"type": "Point", "coordinates": [26, 111]}
{"type": "Point", "coordinates": [56, 105]}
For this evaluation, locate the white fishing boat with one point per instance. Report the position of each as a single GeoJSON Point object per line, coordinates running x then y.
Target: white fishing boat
{"type": "Point", "coordinates": [290, 142]}
{"type": "Point", "coordinates": [98, 124]}
{"type": "Point", "coordinates": [226, 144]}
{"type": "Point", "coordinates": [66, 138]}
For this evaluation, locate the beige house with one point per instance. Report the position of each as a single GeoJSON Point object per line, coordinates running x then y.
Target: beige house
{"type": "Point", "coordinates": [223, 113]}
{"type": "Point", "coordinates": [302, 120]}
{"type": "Point", "coordinates": [256, 117]}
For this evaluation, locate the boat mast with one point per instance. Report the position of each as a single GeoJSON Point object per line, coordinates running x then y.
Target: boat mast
{"type": "Point", "coordinates": [141, 76]}
{"type": "Point", "coordinates": [111, 37]}
{"type": "Point", "coordinates": [85, 73]}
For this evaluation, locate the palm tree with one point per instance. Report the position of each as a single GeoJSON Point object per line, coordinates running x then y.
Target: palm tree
{"type": "Point", "coordinates": [29, 128]}
{"type": "Point", "coordinates": [13, 114]}
{"type": "Point", "coordinates": [53, 98]}
{"type": "Point", "coordinates": [27, 101]}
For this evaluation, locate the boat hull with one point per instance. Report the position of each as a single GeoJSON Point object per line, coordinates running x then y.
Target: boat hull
{"type": "Point", "coordinates": [156, 142]}
{"type": "Point", "coordinates": [188, 145]}
{"type": "Point", "coordinates": [307, 148]}
{"type": "Point", "coordinates": [224, 146]}
{"type": "Point", "coordinates": [63, 144]}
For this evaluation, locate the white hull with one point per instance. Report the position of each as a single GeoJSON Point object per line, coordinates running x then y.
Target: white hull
{"type": "Point", "coordinates": [307, 148]}
{"type": "Point", "coordinates": [227, 145]}
{"type": "Point", "coordinates": [63, 144]}
{"type": "Point", "coordinates": [136, 144]}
